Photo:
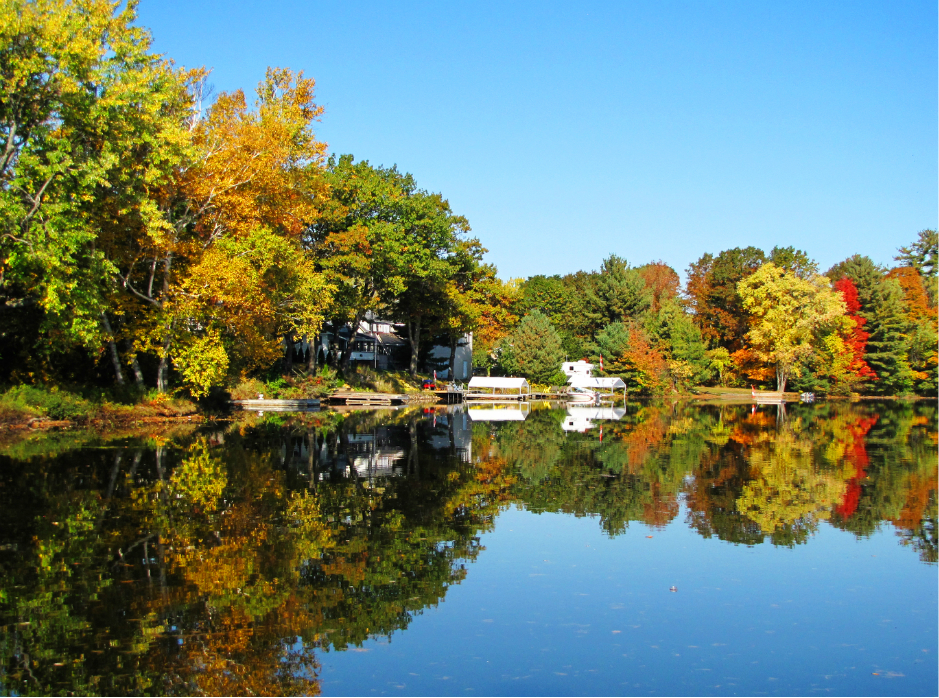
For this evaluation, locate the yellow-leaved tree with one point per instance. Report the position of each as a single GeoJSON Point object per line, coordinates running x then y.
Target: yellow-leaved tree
{"type": "Point", "coordinates": [225, 278]}
{"type": "Point", "coordinates": [789, 316]}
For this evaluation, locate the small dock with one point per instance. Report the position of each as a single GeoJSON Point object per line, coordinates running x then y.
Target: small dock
{"type": "Point", "coordinates": [362, 399]}
{"type": "Point", "coordinates": [498, 397]}
{"type": "Point", "coordinates": [278, 405]}
{"type": "Point", "coordinates": [758, 397]}
{"type": "Point", "coordinates": [451, 397]}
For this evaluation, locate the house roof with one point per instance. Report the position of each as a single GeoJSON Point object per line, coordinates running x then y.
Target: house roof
{"type": "Point", "coordinates": [390, 339]}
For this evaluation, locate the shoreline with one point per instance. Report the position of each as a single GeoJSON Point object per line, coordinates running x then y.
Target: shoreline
{"type": "Point", "coordinates": [103, 424]}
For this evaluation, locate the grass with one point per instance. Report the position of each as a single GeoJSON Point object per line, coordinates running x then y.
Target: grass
{"type": "Point", "coordinates": [24, 403]}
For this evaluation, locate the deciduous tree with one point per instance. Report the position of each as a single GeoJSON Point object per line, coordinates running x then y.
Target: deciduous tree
{"type": "Point", "coordinates": [788, 316]}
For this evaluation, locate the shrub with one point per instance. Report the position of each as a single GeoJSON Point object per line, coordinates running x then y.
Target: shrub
{"type": "Point", "coordinates": [49, 402]}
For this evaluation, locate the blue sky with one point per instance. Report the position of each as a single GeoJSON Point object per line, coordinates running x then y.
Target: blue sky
{"type": "Point", "coordinates": [653, 130]}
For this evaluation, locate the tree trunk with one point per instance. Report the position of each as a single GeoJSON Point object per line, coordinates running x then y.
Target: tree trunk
{"type": "Point", "coordinates": [164, 363]}
{"type": "Point", "coordinates": [780, 379]}
{"type": "Point", "coordinates": [414, 337]}
{"type": "Point", "coordinates": [138, 374]}
{"type": "Point", "coordinates": [165, 354]}
{"type": "Point", "coordinates": [112, 347]}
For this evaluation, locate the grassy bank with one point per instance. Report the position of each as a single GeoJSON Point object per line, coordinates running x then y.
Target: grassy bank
{"type": "Point", "coordinates": [55, 405]}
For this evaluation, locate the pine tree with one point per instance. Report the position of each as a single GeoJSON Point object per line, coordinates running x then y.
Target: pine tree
{"type": "Point", "coordinates": [619, 293]}
{"type": "Point", "coordinates": [533, 350]}
{"type": "Point", "coordinates": [888, 347]}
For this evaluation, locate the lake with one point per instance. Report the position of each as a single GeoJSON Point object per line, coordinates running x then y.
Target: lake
{"type": "Point", "coordinates": [651, 548]}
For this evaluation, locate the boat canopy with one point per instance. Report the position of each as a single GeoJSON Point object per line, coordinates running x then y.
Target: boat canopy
{"type": "Point", "coordinates": [494, 415]}
{"type": "Point", "coordinates": [589, 412]}
{"type": "Point", "coordinates": [499, 383]}
{"type": "Point", "coordinates": [594, 383]}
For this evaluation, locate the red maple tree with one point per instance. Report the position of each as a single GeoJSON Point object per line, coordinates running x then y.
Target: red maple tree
{"type": "Point", "coordinates": [856, 341]}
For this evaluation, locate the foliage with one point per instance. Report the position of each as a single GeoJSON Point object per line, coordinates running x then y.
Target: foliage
{"type": "Point", "coordinates": [789, 314]}
{"type": "Point", "coordinates": [888, 345]}
{"type": "Point", "coordinates": [661, 281]}
{"type": "Point", "coordinates": [92, 125]}
{"type": "Point", "coordinates": [618, 293]}
{"type": "Point", "coordinates": [713, 298]}
{"type": "Point", "coordinates": [52, 403]}
{"type": "Point", "coordinates": [498, 302]}
{"type": "Point", "coordinates": [533, 350]}
{"type": "Point", "coordinates": [718, 360]}
{"type": "Point", "coordinates": [922, 256]}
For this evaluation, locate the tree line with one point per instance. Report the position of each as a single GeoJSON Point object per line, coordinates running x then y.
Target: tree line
{"type": "Point", "coordinates": [743, 318]}
{"type": "Point", "coordinates": [151, 235]}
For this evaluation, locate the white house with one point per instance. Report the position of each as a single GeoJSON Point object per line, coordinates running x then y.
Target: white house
{"type": "Point", "coordinates": [577, 368]}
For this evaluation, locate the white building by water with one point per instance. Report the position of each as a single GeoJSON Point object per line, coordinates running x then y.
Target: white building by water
{"type": "Point", "coordinates": [580, 369]}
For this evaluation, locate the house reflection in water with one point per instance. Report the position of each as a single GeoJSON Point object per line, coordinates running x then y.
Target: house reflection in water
{"type": "Point", "coordinates": [368, 453]}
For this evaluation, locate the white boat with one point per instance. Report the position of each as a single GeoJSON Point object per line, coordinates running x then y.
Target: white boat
{"type": "Point", "coordinates": [578, 394]}
{"type": "Point", "coordinates": [604, 388]}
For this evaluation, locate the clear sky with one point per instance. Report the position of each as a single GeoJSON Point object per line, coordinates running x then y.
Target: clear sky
{"type": "Point", "coordinates": [654, 130]}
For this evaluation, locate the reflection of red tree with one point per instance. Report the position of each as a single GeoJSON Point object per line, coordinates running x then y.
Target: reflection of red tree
{"type": "Point", "coordinates": [857, 456]}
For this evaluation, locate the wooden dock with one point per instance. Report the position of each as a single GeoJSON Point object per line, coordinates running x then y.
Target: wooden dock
{"type": "Point", "coordinates": [350, 398]}
{"type": "Point", "coordinates": [500, 397]}
{"type": "Point", "coordinates": [760, 397]}
{"type": "Point", "coordinates": [278, 405]}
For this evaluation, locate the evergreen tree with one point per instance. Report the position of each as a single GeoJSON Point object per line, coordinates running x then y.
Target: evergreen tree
{"type": "Point", "coordinates": [681, 341]}
{"type": "Point", "coordinates": [533, 350]}
{"type": "Point", "coordinates": [618, 294]}
{"type": "Point", "coordinates": [863, 272]}
{"type": "Point", "coordinates": [888, 347]}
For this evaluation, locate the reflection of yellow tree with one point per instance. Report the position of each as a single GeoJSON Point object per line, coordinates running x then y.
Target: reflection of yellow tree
{"type": "Point", "coordinates": [787, 495]}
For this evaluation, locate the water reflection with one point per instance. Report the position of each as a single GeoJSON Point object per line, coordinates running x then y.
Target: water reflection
{"type": "Point", "coordinates": [219, 561]}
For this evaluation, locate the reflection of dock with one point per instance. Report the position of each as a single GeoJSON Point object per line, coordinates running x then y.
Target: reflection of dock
{"type": "Point", "coordinates": [362, 399]}
{"type": "Point", "coordinates": [492, 411]}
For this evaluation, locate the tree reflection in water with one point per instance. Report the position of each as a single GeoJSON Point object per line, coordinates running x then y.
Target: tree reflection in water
{"type": "Point", "coordinates": [220, 561]}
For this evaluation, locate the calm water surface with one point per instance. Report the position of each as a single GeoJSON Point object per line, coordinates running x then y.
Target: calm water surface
{"type": "Point", "coordinates": [648, 549]}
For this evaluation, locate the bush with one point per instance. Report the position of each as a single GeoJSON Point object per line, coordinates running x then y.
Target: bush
{"type": "Point", "coordinates": [48, 402]}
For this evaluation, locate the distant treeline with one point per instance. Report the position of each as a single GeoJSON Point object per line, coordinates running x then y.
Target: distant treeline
{"type": "Point", "coordinates": [744, 318]}
{"type": "Point", "coordinates": [152, 235]}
